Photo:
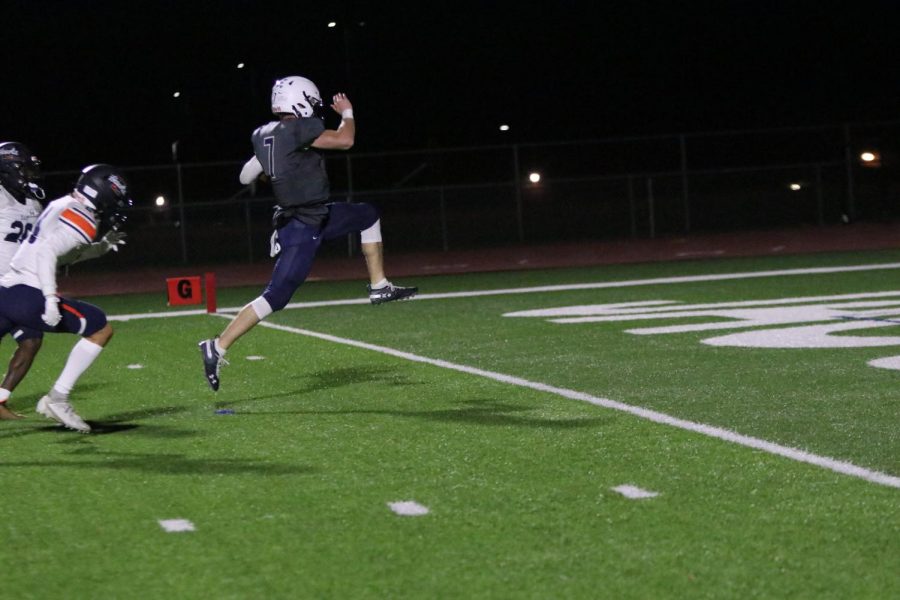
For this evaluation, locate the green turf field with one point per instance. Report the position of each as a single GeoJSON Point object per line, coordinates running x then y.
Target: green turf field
{"type": "Point", "coordinates": [505, 428]}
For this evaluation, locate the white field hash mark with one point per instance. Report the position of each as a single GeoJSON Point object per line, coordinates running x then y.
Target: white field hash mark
{"type": "Point", "coordinates": [831, 464]}
{"type": "Point", "coordinates": [408, 508]}
{"type": "Point", "coordinates": [176, 525]}
{"type": "Point", "coordinates": [634, 493]}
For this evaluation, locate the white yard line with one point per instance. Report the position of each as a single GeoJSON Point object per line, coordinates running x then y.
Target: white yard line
{"type": "Point", "coordinates": [795, 454]}
{"type": "Point", "coordinates": [824, 462]}
{"type": "Point", "coordinates": [546, 288]}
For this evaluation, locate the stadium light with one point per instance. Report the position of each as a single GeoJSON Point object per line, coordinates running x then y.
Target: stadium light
{"type": "Point", "coordinates": [796, 187]}
{"type": "Point", "coordinates": [160, 201]}
{"type": "Point", "coordinates": [176, 95]}
{"type": "Point", "coordinates": [240, 65]}
{"type": "Point", "coordinates": [504, 127]}
{"type": "Point", "coordinates": [332, 25]}
{"type": "Point", "coordinates": [870, 158]}
{"type": "Point", "coordinates": [534, 177]}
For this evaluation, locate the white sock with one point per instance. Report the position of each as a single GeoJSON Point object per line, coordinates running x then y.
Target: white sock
{"type": "Point", "coordinates": [219, 348]}
{"type": "Point", "coordinates": [380, 284]}
{"type": "Point", "coordinates": [4, 395]}
{"type": "Point", "coordinates": [80, 358]}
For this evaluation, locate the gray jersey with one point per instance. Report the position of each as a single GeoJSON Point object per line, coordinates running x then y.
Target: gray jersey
{"type": "Point", "coordinates": [296, 169]}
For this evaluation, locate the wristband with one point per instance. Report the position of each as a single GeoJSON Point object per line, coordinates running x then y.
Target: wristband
{"type": "Point", "coordinates": [347, 113]}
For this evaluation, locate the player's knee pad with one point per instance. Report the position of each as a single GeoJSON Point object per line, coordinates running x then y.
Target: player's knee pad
{"type": "Point", "coordinates": [372, 235]}
{"type": "Point", "coordinates": [277, 297]}
{"type": "Point", "coordinates": [261, 307]}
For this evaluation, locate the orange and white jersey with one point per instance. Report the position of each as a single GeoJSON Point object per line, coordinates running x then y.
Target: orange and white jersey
{"type": "Point", "coordinates": [16, 222]}
{"type": "Point", "coordinates": [65, 225]}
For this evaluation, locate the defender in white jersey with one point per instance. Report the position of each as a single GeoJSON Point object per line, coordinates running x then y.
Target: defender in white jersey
{"type": "Point", "coordinates": [20, 205]}
{"type": "Point", "coordinates": [28, 296]}
{"type": "Point", "coordinates": [20, 198]}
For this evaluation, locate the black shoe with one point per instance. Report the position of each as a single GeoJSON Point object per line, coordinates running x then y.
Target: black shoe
{"type": "Point", "coordinates": [212, 360]}
{"type": "Point", "coordinates": [390, 292]}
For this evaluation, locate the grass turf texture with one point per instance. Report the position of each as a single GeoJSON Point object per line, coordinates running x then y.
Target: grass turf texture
{"type": "Point", "coordinates": [289, 493]}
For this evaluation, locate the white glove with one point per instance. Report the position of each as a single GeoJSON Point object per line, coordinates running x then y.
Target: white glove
{"type": "Point", "coordinates": [51, 314]}
{"type": "Point", "coordinates": [274, 245]}
{"type": "Point", "coordinates": [112, 240]}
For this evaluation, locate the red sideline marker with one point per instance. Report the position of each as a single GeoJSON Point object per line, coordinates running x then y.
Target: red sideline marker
{"type": "Point", "coordinates": [183, 290]}
{"type": "Point", "coordinates": [210, 279]}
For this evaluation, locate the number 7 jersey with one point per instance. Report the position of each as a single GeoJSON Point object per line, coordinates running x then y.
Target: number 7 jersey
{"type": "Point", "coordinates": [284, 149]}
{"type": "Point", "coordinates": [16, 222]}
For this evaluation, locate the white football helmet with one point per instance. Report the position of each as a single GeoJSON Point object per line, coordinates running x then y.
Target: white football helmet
{"type": "Point", "coordinates": [296, 96]}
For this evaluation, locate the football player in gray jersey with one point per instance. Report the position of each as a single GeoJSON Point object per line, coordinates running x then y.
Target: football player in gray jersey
{"type": "Point", "coordinates": [287, 152]}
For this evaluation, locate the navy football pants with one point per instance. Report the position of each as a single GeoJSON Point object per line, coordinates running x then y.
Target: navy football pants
{"type": "Point", "coordinates": [300, 242]}
{"type": "Point", "coordinates": [22, 306]}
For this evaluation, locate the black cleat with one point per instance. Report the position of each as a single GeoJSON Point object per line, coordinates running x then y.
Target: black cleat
{"type": "Point", "coordinates": [212, 360]}
{"type": "Point", "coordinates": [390, 293]}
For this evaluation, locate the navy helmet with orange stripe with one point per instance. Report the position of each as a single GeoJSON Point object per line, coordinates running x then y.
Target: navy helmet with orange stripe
{"type": "Point", "coordinates": [20, 171]}
{"type": "Point", "coordinates": [105, 189]}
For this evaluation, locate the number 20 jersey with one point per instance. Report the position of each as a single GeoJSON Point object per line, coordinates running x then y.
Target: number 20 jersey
{"type": "Point", "coordinates": [16, 222]}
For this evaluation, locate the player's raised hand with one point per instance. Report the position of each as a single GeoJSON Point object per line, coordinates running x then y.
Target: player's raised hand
{"type": "Point", "coordinates": [113, 240]}
{"type": "Point", "coordinates": [340, 103]}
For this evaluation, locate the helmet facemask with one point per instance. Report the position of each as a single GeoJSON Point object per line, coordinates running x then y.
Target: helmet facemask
{"type": "Point", "coordinates": [20, 171]}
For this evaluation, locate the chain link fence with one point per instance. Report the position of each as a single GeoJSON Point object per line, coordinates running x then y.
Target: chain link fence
{"type": "Point", "coordinates": [464, 198]}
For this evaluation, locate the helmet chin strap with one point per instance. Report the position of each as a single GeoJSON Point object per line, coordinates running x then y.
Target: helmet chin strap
{"type": "Point", "coordinates": [37, 191]}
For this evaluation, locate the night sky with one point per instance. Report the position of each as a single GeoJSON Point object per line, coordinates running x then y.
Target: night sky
{"type": "Point", "coordinates": [93, 81]}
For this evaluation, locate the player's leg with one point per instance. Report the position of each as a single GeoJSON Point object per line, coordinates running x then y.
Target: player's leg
{"type": "Point", "coordinates": [28, 342]}
{"type": "Point", "coordinates": [373, 252]}
{"type": "Point", "coordinates": [350, 217]}
{"type": "Point", "coordinates": [20, 305]}
{"type": "Point", "coordinates": [89, 322]}
{"type": "Point", "coordinates": [299, 243]}
{"type": "Point", "coordinates": [291, 270]}
{"type": "Point", "coordinates": [7, 250]}
{"type": "Point", "coordinates": [6, 414]}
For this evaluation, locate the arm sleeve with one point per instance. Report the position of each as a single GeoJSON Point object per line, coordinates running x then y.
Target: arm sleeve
{"type": "Point", "coordinates": [79, 254]}
{"type": "Point", "coordinates": [252, 169]}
